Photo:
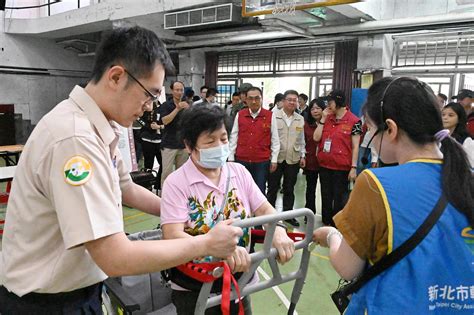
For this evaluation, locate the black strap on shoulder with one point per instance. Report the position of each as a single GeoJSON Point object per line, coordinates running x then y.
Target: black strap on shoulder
{"type": "Point", "coordinates": [400, 252]}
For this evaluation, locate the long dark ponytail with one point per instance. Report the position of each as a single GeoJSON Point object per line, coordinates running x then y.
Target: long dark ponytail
{"type": "Point", "coordinates": [413, 106]}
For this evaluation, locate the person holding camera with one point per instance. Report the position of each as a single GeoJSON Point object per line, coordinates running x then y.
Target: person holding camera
{"type": "Point", "coordinates": [150, 136]}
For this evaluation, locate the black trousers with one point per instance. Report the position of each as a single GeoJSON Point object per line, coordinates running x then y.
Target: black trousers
{"type": "Point", "coordinates": [138, 144]}
{"type": "Point", "coordinates": [85, 301]}
{"type": "Point", "coordinates": [259, 172]}
{"type": "Point", "coordinates": [185, 303]}
{"type": "Point", "coordinates": [289, 173]}
{"type": "Point", "coordinates": [150, 151]}
{"type": "Point", "coordinates": [334, 192]}
{"type": "Point", "coordinates": [311, 183]}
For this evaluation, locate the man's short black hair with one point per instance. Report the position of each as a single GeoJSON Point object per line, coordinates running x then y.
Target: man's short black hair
{"type": "Point", "coordinates": [236, 94]}
{"type": "Point", "coordinates": [244, 87]}
{"type": "Point", "coordinates": [304, 97]}
{"type": "Point", "coordinates": [462, 94]}
{"type": "Point", "coordinates": [292, 92]}
{"type": "Point", "coordinates": [135, 48]}
{"type": "Point", "coordinates": [203, 87]}
{"type": "Point", "coordinates": [174, 82]}
{"type": "Point", "coordinates": [443, 96]}
{"type": "Point", "coordinates": [211, 92]}
{"type": "Point", "coordinates": [254, 88]}
{"type": "Point", "coordinates": [199, 119]}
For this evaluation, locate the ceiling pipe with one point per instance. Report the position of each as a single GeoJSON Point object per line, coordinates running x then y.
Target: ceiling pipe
{"type": "Point", "coordinates": [390, 25]}
{"type": "Point", "coordinates": [362, 28]}
{"type": "Point", "coordinates": [282, 44]}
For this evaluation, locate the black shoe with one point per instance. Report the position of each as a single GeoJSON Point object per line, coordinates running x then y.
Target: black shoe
{"type": "Point", "coordinates": [293, 222]}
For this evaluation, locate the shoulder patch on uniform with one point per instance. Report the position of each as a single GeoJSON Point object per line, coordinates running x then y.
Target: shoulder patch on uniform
{"type": "Point", "coordinates": [77, 170]}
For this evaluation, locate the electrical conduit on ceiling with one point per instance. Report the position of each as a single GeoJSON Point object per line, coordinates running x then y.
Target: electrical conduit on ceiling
{"type": "Point", "coordinates": [361, 28]}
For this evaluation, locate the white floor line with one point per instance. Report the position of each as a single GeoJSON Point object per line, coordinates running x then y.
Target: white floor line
{"type": "Point", "coordinates": [277, 290]}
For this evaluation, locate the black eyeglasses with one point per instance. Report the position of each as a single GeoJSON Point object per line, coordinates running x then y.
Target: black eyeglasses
{"type": "Point", "coordinates": [152, 97]}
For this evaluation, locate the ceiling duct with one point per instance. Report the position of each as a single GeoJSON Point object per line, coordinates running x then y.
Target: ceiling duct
{"type": "Point", "coordinates": [218, 14]}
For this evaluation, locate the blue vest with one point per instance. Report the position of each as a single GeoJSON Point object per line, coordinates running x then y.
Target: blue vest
{"type": "Point", "coordinates": [437, 277]}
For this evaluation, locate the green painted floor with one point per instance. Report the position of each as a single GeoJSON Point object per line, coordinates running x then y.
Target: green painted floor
{"type": "Point", "coordinates": [320, 282]}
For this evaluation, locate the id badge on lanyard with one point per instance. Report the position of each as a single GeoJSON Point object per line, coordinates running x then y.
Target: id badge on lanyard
{"type": "Point", "coordinates": [327, 145]}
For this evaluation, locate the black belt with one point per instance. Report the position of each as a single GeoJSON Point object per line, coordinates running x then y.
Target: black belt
{"type": "Point", "coordinates": [50, 300]}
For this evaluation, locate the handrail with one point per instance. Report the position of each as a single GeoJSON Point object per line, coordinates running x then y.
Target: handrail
{"type": "Point", "coordinates": [269, 253]}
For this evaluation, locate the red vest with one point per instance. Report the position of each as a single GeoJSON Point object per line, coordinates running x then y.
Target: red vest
{"type": "Point", "coordinates": [312, 163]}
{"type": "Point", "coordinates": [254, 139]}
{"type": "Point", "coordinates": [470, 124]}
{"type": "Point", "coordinates": [340, 156]}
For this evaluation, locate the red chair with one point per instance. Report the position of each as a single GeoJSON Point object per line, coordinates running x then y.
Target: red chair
{"type": "Point", "coordinates": [4, 200]}
{"type": "Point", "coordinates": [4, 195]}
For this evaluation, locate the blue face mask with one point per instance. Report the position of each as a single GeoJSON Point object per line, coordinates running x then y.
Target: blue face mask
{"type": "Point", "coordinates": [214, 157]}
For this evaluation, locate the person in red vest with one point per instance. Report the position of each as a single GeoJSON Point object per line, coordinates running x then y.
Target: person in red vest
{"type": "Point", "coordinates": [315, 112]}
{"type": "Point", "coordinates": [254, 141]}
{"type": "Point", "coordinates": [464, 98]}
{"type": "Point", "coordinates": [338, 134]}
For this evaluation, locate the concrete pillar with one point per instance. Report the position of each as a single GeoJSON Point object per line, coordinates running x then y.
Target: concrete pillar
{"type": "Point", "coordinates": [192, 64]}
{"type": "Point", "coordinates": [375, 53]}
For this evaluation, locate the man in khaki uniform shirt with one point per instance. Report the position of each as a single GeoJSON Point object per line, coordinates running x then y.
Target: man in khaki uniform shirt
{"type": "Point", "coordinates": [292, 152]}
{"type": "Point", "coordinates": [64, 225]}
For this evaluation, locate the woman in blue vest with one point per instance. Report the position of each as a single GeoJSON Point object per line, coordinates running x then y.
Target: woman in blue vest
{"type": "Point", "coordinates": [389, 204]}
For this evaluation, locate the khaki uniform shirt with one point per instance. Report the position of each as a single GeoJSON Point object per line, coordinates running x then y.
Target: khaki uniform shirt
{"type": "Point", "coordinates": [66, 191]}
{"type": "Point", "coordinates": [291, 134]}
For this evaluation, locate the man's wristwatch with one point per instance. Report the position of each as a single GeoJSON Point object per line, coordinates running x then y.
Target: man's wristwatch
{"type": "Point", "coordinates": [281, 224]}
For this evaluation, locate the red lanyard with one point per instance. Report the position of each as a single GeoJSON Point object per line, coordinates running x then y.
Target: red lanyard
{"type": "Point", "coordinates": [204, 272]}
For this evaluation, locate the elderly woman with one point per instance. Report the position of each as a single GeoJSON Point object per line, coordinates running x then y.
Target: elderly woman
{"type": "Point", "coordinates": [389, 204]}
{"type": "Point", "coordinates": [207, 190]}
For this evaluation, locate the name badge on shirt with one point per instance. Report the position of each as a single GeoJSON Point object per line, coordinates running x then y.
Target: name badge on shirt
{"type": "Point", "coordinates": [327, 146]}
{"type": "Point", "coordinates": [346, 127]}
